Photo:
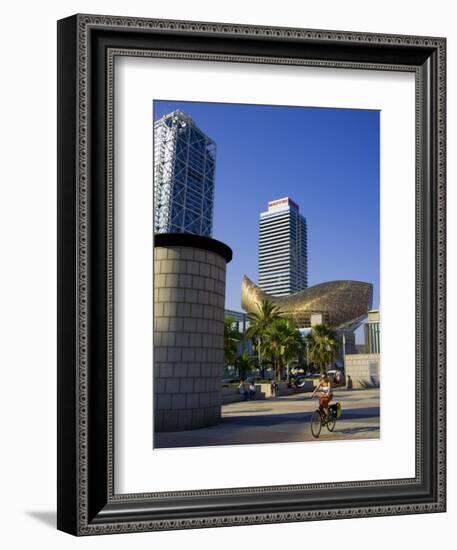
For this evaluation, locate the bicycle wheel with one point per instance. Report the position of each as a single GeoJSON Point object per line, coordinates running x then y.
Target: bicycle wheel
{"type": "Point", "coordinates": [331, 423]}
{"type": "Point", "coordinates": [316, 423]}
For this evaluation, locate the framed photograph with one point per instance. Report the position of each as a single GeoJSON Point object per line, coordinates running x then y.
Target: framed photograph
{"type": "Point", "coordinates": [251, 271]}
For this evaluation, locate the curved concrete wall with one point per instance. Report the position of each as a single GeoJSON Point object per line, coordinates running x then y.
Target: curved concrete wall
{"type": "Point", "coordinates": [189, 297]}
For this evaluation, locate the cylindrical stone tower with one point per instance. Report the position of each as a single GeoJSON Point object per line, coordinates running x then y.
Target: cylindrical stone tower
{"type": "Point", "coordinates": [189, 299]}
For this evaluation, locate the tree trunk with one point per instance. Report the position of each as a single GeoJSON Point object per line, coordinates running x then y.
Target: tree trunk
{"type": "Point", "coordinates": [261, 367]}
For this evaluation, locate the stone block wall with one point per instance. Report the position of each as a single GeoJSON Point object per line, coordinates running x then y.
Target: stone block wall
{"type": "Point", "coordinates": [362, 370]}
{"type": "Point", "coordinates": [189, 297]}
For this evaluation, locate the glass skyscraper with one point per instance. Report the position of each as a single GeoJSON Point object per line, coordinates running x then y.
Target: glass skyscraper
{"type": "Point", "coordinates": [184, 173]}
{"type": "Point", "coordinates": [283, 249]}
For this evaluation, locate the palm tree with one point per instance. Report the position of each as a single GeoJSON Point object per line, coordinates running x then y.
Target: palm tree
{"type": "Point", "coordinates": [282, 341]}
{"type": "Point", "coordinates": [293, 343]}
{"type": "Point", "coordinates": [273, 345]}
{"type": "Point", "coordinates": [259, 322]}
{"type": "Point", "coordinates": [322, 346]}
{"type": "Point", "coordinates": [243, 364]}
{"type": "Point", "coordinates": [231, 339]}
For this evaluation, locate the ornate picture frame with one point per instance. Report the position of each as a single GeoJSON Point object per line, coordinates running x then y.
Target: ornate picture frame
{"type": "Point", "coordinates": [87, 47]}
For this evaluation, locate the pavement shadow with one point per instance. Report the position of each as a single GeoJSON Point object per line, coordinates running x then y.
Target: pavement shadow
{"type": "Point", "coordinates": [361, 429]}
{"type": "Point", "coordinates": [246, 411]}
{"type": "Point", "coordinates": [274, 419]}
{"type": "Point", "coordinates": [238, 430]}
{"type": "Point", "coordinates": [366, 412]}
{"type": "Point", "coordinates": [267, 419]}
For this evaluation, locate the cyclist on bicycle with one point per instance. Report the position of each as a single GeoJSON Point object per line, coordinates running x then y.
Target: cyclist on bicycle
{"type": "Point", "coordinates": [325, 387]}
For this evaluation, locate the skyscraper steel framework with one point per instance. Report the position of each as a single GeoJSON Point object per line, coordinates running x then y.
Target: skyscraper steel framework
{"type": "Point", "coordinates": [184, 176]}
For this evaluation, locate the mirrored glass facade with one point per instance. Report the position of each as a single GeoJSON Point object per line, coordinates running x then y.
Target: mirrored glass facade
{"type": "Point", "coordinates": [184, 176]}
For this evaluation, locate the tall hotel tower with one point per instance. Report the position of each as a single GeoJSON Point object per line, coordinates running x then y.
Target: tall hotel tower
{"type": "Point", "coordinates": [283, 249]}
{"type": "Point", "coordinates": [184, 172]}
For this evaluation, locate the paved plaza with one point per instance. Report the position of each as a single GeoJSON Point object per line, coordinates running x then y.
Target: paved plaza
{"type": "Point", "coordinates": [283, 420]}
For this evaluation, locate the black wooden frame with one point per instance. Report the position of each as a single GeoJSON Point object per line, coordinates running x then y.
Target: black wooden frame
{"type": "Point", "coordinates": [87, 45]}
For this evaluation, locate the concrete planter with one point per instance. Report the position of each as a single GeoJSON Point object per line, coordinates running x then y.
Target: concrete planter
{"type": "Point", "coordinates": [285, 390]}
{"type": "Point", "coordinates": [232, 395]}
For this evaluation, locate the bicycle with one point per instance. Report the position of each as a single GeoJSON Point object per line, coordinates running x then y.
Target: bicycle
{"type": "Point", "coordinates": [319, 419]}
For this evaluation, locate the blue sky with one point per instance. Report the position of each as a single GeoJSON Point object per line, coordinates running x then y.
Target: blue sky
{"type": "Point", "coordinates": [326, 160]}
